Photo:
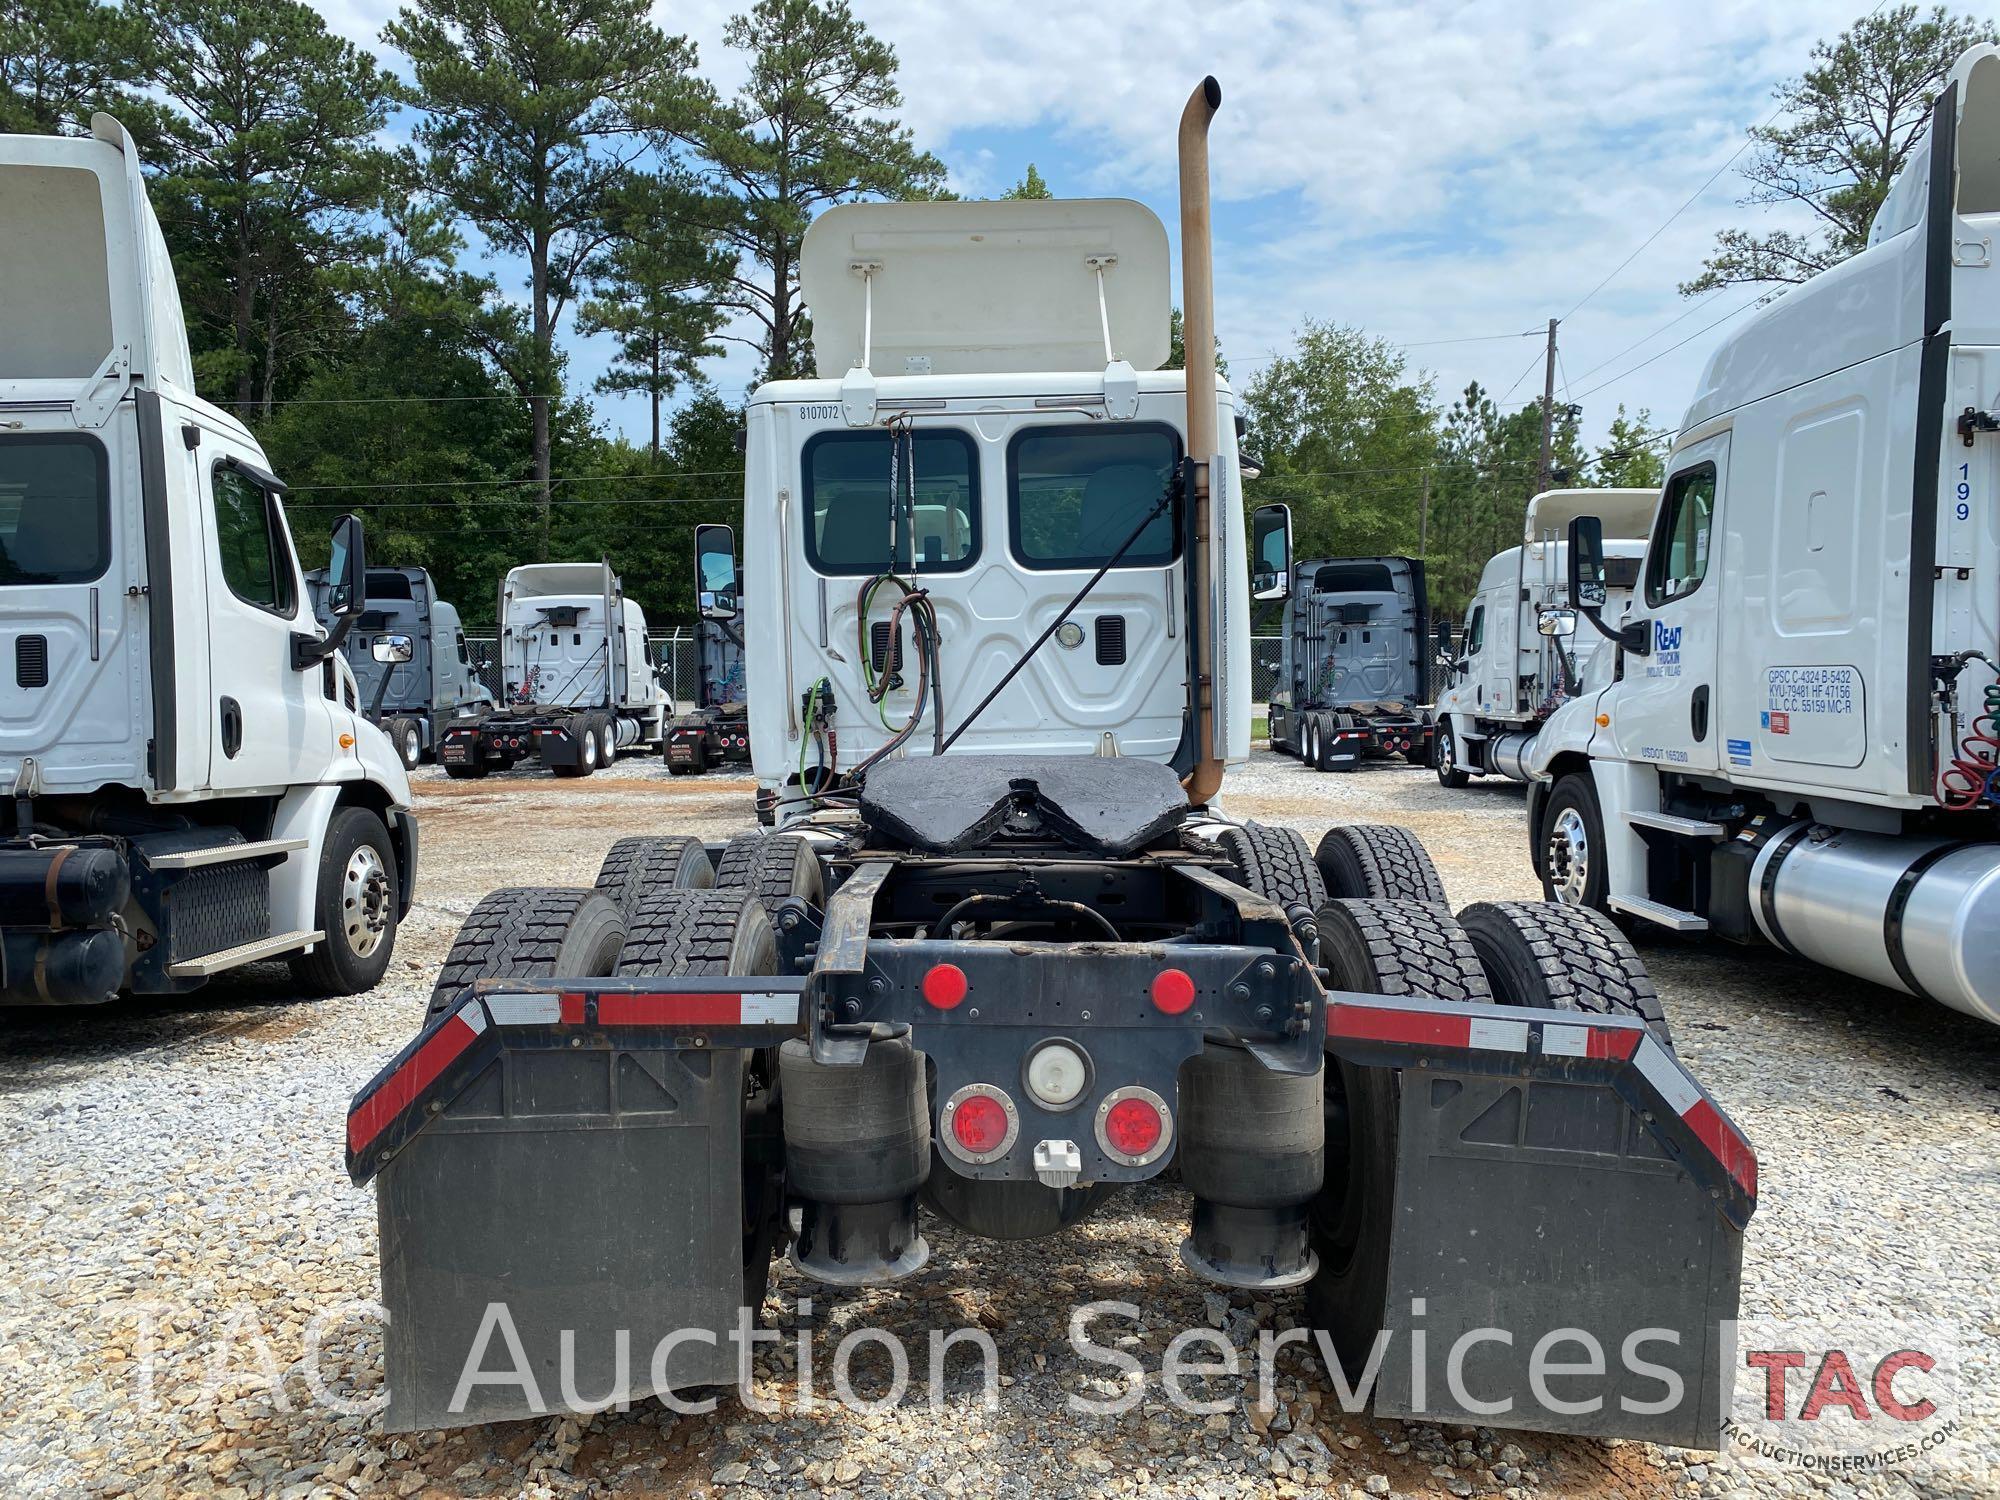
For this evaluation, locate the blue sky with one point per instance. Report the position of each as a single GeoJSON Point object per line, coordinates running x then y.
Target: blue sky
{"type": "Point", "coordinates": [1425, 171]}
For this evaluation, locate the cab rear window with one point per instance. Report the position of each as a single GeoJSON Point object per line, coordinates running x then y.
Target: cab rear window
{"type": "Point", "coordinates": [55, 509]}
{"type": "Point", "coordinates": [1076, 493]}
{"type": "Point", "coordinates": [849, 527]}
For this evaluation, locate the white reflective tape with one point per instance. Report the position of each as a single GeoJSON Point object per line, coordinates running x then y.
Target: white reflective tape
{"type": "Point", "coordinates": [473, 1016]}
{"type": "Point", "coordinates": [1665, 1075]}
{"type": "Point", "coordinates": [1565, 1041]}
{"type": "Point", "coordinates": [1498, 1036]}
{"type": "Point", "coordinates": [525, 1010]}
{"type": "Point", "coordinates": [770, 1010]}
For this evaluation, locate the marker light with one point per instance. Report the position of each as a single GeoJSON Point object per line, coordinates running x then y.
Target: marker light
{"type": "Point", "coordinates": [1173, 991]}
{"type": "Point", "coordinates": [1057, 1074]}
{"type": "Point", "coordinates": [980, 1123]}
{"type": "Point", "coordinates": [945, 985]}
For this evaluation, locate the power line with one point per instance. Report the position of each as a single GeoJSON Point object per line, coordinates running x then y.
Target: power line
{"type": "Point", "coordinates": [1521, 377]}
{"type": "Point", "coordinates": [1745, 307]}
{"type": "Point", "coordinates": [1687, 312]}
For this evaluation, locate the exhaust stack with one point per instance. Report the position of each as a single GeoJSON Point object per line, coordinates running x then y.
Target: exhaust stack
{"type": "Point", "coordinates": [1198, 330]}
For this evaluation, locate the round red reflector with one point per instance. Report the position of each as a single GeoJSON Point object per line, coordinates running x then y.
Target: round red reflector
{"type": "Point", "coordinates": [979, 1124]}
{"type": "Point", "coordinates": [1132, 1126]}
{"type": "Point", "coordinates": [945, 986]}
{"type": "Point", "coordinates": [1173, 991]}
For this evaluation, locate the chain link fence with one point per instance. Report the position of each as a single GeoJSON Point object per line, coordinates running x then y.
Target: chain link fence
{"type": "Point", "coordinates": [679, 651]}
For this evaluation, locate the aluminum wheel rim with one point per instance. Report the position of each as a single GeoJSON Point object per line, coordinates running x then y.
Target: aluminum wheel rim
{"type": "Point", "coordinates": [1569, 857]}
{"type": "Point", "coordinates": [412, 747]}
{"type": "Point", "coordinates": [1447, 760]}
{"type": "Point", "coordinates": [590, 747]}
{"type": "Point", "coordinates": [364, 901]}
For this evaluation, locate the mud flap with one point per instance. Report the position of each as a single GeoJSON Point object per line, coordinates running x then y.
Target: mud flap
{"type": "Point", "coordinates": [1568, 1234]}
{"type": "Point", "coordinates": [560, 1202]}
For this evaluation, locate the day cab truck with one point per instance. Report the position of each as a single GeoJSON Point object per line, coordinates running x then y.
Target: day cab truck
{"type": "Point", "coordinates": [1522, 656]}
{"type": "Point", "coordinates": [715, 729]}
{"type": "Point", "coordinates": [576, 684]}
{"type": "Point", "coordinates": [1798, 746]}
{"type": "Point", "coordinates": [413, 701]}
{"type": "Point", "coordinates": [189, 782]}
{"type": "Point", "coordinates": [1356, 669]}
{"type": "Point", "coordinates": [1005, 954]}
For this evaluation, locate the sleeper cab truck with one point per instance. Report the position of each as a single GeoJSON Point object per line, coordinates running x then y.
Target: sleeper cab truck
{"type": "Point", "coordinates": [716, 730]}
{"type": "Point", "coordinates": [189, 782]}
{"type": "Point", "coordinates": [414, 700]}
{"type": "Point", "coordinates": [1798, 744]}
{"type": "Point", "coordinates": [1522, 656]}
{"type": "Point", "coordinates": [576, 684]}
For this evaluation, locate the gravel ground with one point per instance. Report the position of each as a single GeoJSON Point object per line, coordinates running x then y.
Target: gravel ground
{"type": "Point", "coordinates": [177, 1218]}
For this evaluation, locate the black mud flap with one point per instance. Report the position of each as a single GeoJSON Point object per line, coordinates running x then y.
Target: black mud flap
{"type": "Point", "coordinates": [559, 1197]}
{"type": "Point", "coordinates": [1569, 1216]}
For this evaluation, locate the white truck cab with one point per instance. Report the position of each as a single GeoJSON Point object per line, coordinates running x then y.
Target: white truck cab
{"type": "Point", "coordinates": [1523, 656]}
{"type": "Point", "coordinates": [988, 428]}
{"type": "Point", "coordinates": [1799, 744]}
{"type": "Point", "coordinates": [192, 784]}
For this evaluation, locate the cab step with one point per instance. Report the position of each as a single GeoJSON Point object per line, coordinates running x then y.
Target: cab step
{"type": "Point", "coordinates": [1694, 828]}
{"type": "Point", "coordinates": [1660, 914]}
{"type": "Point", "coordinates": [243, 953]}
{"type": "Point", "coordinates": [223, 854]}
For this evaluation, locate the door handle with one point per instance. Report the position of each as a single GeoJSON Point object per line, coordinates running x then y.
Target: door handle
{"type": "Point", "coordinates": [232, 727]}
{"type": "Point", "coordinates": [1698, 713]}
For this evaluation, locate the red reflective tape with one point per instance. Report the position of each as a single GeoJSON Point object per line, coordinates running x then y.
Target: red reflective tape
{"type": "Point", "coordinates": [1605, 1042]}
{"type": "Point", "coordinates": [1724, 1144]}
{"type": "Point", "coordinates": [399, 1090]}
{"type": "Point", "coordinates": [669, 1010]}
{"type": "Point", "coordinates": [572, 1010]}
{"type": "Point", "coordinates": [1421, 1028]}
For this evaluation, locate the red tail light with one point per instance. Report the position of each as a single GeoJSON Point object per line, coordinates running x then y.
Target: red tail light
{"type": "Point", "coordinates": [980, 1123]}
{"type": "Point", "coordinates": [1134, 1126]}
{"type": "Point", "coordinates": [945, 985]}
{"type": "Point", "coordinates": [1173, 991]}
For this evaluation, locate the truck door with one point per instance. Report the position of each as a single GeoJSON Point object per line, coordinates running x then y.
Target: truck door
{"type": "Point", "coordinates": [270, 722]}
{"type": "Point", "coordinates": [1666, 712]}
{"type": "Point", "coordinates": [73, 618]}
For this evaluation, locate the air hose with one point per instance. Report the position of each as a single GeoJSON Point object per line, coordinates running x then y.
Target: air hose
{"type": "Point", "coordinates": [1972, 778]}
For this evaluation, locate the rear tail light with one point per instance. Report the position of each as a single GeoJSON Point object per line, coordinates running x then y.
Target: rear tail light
{"type": "Point", "coordinates": [980, 1123]}
{"type": "Point", "coordinates": [1134, 1126]}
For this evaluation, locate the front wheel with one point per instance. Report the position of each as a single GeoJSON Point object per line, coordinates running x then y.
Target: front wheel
{"type": "Point", "coordinates": [1444, 757]}
{"type": "Point", "coordinates": [355, 907]}
{"type": "Point", "coordinates": [1572, 844]}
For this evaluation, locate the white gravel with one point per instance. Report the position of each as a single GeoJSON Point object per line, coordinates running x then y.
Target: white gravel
{"type": "Point", "coordinates": [189, 1156]}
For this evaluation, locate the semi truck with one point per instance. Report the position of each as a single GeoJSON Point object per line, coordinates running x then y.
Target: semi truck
{"type": "Point", "coordinates": [716, 729]}
{"type": "Point", "coordinates": [412, 701]}
{"type": "Point", "coordinates": [1522, 656]}
{"type": "Point", "coordinates": [191, 783]}
{"type": "Point", "coordinates": [1356, 670]}
{"type": "Point", "coordinates": [1005, 954]}
{"type": "Point", "coordinates": [576, 684]}
{"type": "Point", "coordinates": [1798, 744]}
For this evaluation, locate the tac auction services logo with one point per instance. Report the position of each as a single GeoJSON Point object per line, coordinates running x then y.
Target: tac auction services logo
{"type": "Point", "coordinates": [1840, 1398]}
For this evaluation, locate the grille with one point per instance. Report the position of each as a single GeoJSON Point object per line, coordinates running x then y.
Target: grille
{"type": "Point", "coordinates": [1110, 640]}
{"type": "Point", "coordinates": [881, 649]}
{"type": "Point", "coordinates": [31, 660]}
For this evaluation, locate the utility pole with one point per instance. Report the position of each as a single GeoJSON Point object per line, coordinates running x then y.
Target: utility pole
{"type": "Point", "coordinates": [1548, 410]}
{"type": "Point", "coordinates": [1424, 519]}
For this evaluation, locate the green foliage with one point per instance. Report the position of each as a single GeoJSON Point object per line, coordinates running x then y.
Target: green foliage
{"type": "Point", "coordinates": [62, 59]}
{"type": "Point", "coordinates": [1177, 347]}
{"type": "Point", "coordinates": [1632, 456]}
{"type": "Point", "coordinates": [813, 125]}
{"type": "Point", "coordinates": [1030, 186]}
{"type": "Point", "coordinates": [1848, 125]}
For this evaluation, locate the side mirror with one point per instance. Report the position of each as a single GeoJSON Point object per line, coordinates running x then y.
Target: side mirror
{"type": "Point", "coordinates": [715, 572]}
{"type": "Point", "coordinates": [1586, 563]}
{"type": "Point", "coordinates": [1271, 552]}
{"type": "Point", "coordinates": [393, 650]}
{"type": "Point", "coordinates": [347, 569]}
{"type": "Point", "coordinates": [1558, 623]}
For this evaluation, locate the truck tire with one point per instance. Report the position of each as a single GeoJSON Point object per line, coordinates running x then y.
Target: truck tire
{"type": "Point", "coordinates": [607, 740]}
{"type": "Point", "coordinates": [530, 932]}
{"type": "Point", "coordinates": [1275, 863]}
{"type": "Point", "coordinates": [1374, 862]}
{"type": "Point", "coordinates": [1308, 746]}
{"type": "Point", "coordinates": [638, 866]}
{"type": "Point", "coordinates": [1378, 948]}
{"type": "Point", "coordinates": [407, 735]}
{"type": "Point", "coordinates": [355, 902]}
{"type": "Point", "coordinates": [1444, 758]}
{"type": "Point", "coordinates": [1571, 841]}
{"type": "Point", "coordinates": [584, 731]}
{"type": "Point", "coordinates": [1551, 957]}
{"type": "Point", "coordinates": [775, 866]}
{"type": "Point", "coordinates": [675, 933]}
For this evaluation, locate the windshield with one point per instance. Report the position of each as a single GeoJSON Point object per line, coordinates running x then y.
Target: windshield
{"type": "Point", "coordinates": [1076, 494]}
{"type": "Point", "coordinates": [55, 509]}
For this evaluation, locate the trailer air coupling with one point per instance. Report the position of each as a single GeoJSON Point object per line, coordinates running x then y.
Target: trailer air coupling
{"type": "Point", "coordinates": [61, 968]}
{"type": "Point", "coordinates": [1253, 1151]}
{"type": "Point", "coordinates": [64, 885]}
{"type": "Point", "coordinates": [857, 1151]}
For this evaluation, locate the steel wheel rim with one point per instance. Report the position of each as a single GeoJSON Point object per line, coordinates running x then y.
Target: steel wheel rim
{"type": "Point", "coordinates": [364, 901]}
{"type": "Point", "coordinates": [1569, 857]}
